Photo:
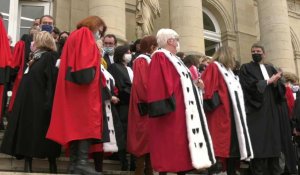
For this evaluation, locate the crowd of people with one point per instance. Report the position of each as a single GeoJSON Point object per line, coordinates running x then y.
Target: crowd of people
{"type": "Point", "coordinates": [82, 93]}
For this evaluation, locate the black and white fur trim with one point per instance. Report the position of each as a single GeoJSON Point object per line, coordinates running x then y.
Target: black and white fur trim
{"type": "Point", "coordinates": [146, 57]}
{"type": "Point", "coordinates": [200, 144]}
{"type": "Point", "coordinates": [238, 105]}
{"type": "Point", "coordinates": [110, 146]}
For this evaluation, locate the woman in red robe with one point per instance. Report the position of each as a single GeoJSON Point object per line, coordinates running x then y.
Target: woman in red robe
{"type": "Point", "coordinates": [137, 133]}
{"type": "Point", "coordinates": [77, 111]}
{"type": "Point", "coordinates": [225, 111]}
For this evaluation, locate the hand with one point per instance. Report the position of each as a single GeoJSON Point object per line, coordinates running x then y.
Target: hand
{"type": "Point", "coordinates": [115, 99]}
{"type": "Point", "coordinates": [199, 83]}
{"type": "Point", "coordinates": [275, 78]}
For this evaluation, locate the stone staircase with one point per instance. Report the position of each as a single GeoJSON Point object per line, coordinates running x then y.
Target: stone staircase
{"type": "Point", "coordinates": [10, 165]}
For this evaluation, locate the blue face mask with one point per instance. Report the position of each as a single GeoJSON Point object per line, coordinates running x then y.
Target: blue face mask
{"type": "Point", "coordinates": [47, 28]}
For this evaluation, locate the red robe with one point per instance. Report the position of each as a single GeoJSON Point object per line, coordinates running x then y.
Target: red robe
{"type": "Point", "coordinates": [77, 109]}
{"type": "Point", "coordinates": [5, 62]}
{"type": "Point", "coordinates": [18, 61]}
{"type": "Point", "coordinates": [290, 100]}
{"type": "Point", "coordinates": [219, 119]}
{"type": "Point", "coordinates": [137, 132]}
{"type": "Point", "coordinates": [167, 133]}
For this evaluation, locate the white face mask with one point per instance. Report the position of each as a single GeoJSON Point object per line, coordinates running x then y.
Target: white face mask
{"type": "Point", "coordinates": [178, 47]}
{"type": "Point", "coordinates": [97, 36]}
{"type": "Point", "coordinates": [295, 88]}
{"type": "Point", "coordinates": [127, 57]}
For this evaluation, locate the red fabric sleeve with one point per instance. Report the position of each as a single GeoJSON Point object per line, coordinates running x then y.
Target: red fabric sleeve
{"type": "Point", "coordinates": [83, 48]}
{"type": "Point", "coordinates": [210, 78]}
{"type": "Point", "coordinates": [160, 84]}
{"type": "Point", "coordinates": [141, 69]}
{"type": "Point", "coordinates": [18, 62]}
{"type": "Point", "coordinates": [5, 52]}
{"type": "Point", "coordinates": [18, 56]}
{"type": "Point", "coordinates": [290, 100]}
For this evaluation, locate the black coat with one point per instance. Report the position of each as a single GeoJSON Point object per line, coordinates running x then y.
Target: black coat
{"type": "Point", "coordinates": [262, 102]}
{"type": "Point", "coordinates": [123, 83]}
{"type": "Point", "coordinates": [31, 114]}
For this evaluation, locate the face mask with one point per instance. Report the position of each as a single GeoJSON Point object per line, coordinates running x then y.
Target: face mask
{"type": "Point", "coordinates": [257, 57]}
{"type": "Point", "coordinates": [97, 36]}
{"type": "Point", "coordinates": [127, 57]}
{"type": "Point", "coordinates": [295, 88]}
{"type": "Point", "coordinates": [32, 47]}
{"type": "Point", "coordinates": [178, 47]}
{"type": "Point", "coordinates": [62, 41]}
{"type": "Point", "coordinates": [47, 28]}
{"type": "Point", "coordinates": [109, 50]}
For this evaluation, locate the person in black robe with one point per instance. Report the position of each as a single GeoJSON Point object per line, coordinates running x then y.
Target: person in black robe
{"type": "Point", "coordinates": [285, 114]}
{"type": "Point", "coordinates": [123, 77]}
{"type": "Point", "coordinates": [25, 136]}
{"type": "Point", "coordinates": [263, 93]}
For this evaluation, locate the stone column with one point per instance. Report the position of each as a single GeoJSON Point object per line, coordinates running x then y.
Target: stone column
{"type": "Point", "coordinates": [275, 33]}
{"type": "Point", "coordinates": [187, 20]}
{"type": "Point", "coordinates": [113, 13]}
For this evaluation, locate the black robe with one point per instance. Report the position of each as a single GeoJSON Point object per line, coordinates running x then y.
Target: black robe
{"type": "Point", "coordinates": [123, 84]}
{"type": "Point", "coordinates": [29, 121]}
{"type": "Point", "coordinates": [287, 146]}
{"type": "Point", "coordinates": [262, 103]}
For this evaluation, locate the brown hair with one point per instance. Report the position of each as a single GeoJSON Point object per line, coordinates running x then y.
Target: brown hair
{"type": "Point", "coordinates": [48, 16]}
{"type": "Point", "coordinates": [190, 60]}
{"type": "Point", "coordinates": [93, 23]}
{"type": "Point", "coordinates": [257, 45]}
{"type": "Point", "coordinates": [225, 56]}
{"type": "Point", "coordinates": [290, 77]}
{"type": "Point", "coordinates": [146, 44]}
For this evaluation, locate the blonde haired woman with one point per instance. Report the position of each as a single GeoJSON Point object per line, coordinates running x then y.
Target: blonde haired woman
{"type": "Point", "coordinates": [25, 136]}
{"type": "Point", "coordinates": [225, 111]}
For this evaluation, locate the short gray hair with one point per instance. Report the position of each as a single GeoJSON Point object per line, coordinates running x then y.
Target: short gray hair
{"type": "Point", "coordinates": [163, 35]}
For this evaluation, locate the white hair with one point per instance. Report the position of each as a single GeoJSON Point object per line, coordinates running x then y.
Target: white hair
{"type": "Point", "coordinates": [163, 35]}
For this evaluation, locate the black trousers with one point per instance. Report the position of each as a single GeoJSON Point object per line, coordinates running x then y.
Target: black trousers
{"type": "Point", "coordinates": [265, 166]}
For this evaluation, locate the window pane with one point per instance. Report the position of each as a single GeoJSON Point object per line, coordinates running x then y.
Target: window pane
{"type": "Point", "coordinates": [4, 9]}
{"type": "Point", "coordinates": [210, 47]}
{"type": "Point", "coordinates": [28, 14]}
{"type": "Point", "coordinates": [4, 6]}
{"type": "Point", "coordinates": [207, 23]}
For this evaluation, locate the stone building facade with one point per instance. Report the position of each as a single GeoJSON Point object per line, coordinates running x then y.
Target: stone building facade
{"type": "Point", "coordinates": [203, 25]}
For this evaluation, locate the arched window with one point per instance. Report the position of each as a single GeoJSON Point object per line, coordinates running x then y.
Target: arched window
{"type": "Point", "coordinates": [212, 32]}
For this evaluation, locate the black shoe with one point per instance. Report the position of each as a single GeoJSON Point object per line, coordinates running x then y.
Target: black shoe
{"type": "Point", "coordinates": [52, 165]}
{"type": "Point", "coordinates": [98, 161]}
{"type": "Point", "coordinates": [73, 156]}
{"type": "Point", "coordinates": [28, 165]}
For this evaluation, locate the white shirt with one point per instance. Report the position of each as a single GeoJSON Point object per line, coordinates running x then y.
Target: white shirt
{"type": "Point", "coordinates": [264, 71]}
{"type": "Point", "coordinates": [111, 59]}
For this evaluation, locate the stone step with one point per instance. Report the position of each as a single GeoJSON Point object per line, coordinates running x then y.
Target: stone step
{"type": "Point", "coordinates": [104, 172]}
{"type": "Point", "coordinates": [9, 163]}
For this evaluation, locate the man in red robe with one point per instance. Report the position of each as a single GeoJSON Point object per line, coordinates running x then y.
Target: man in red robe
{"type": "Point", "coordinates": [77, 110]}
{"type": "Point", "coordinates": [178, 134]}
